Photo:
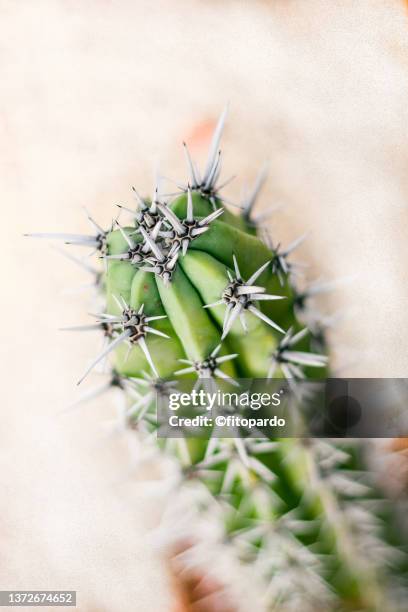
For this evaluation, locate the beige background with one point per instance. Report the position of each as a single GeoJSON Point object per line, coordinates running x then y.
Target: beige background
{"type": "Point", "coordinates": [93, 95]}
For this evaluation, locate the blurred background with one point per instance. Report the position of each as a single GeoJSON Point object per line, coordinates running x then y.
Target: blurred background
{"type": "Point", "coordinates": [94, 97]}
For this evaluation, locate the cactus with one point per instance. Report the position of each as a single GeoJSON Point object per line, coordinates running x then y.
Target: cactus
{"type": "Point", "coordinates": [193, 288]}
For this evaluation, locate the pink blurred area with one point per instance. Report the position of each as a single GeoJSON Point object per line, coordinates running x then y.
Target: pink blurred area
{"type": "Point", "coordinates": [95, 97]}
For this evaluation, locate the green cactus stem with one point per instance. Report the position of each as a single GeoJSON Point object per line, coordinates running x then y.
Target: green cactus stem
{"type": "Point", "coordinates": [194, 289]}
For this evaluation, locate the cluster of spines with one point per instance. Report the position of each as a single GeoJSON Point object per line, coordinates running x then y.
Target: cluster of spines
{"type": "Point", "coordinates": [163, 236]}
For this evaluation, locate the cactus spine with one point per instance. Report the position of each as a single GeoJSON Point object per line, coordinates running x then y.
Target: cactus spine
{"type": "Point", "coordinates": [193, 289]}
